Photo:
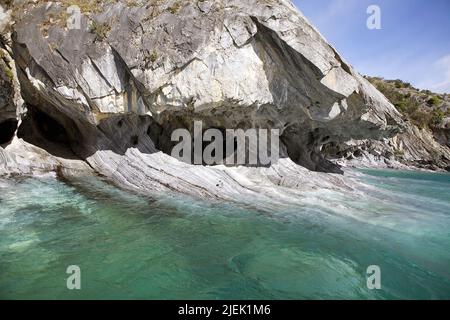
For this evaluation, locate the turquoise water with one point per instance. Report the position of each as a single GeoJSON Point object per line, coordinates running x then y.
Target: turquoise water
{"type": "Point", "coordinates": [173, 247]}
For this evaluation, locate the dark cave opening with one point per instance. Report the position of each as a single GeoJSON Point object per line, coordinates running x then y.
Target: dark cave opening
{"type": "Point", "coordinates": [134, 140]}
{"type": "Point", "coordinates": [304, 147]}
{"type": "Point", "coordinates": [46, 132]}
{"type": "Point", "coordinates": [49, 128]}
{"type": "Point", "coordinates": [161, 137]}
{"type": "Point", "coordinates": [7, 130]}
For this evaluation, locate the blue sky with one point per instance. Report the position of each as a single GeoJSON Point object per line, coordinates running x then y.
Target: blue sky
{"type": "Point", "coordinates": [413, 43]}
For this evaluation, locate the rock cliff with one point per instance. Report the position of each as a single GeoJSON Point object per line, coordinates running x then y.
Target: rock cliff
{"type": "Point", "coordinates": [424, 142]}
{"type": "Point", "coordinates": [110, 93]}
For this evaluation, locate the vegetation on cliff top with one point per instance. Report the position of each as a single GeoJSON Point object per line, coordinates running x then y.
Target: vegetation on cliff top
{"type": "Point", "coordinates": [422, 107]}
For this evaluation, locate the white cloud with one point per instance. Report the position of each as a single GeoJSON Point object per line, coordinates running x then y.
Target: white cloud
{"type": "Point", "coordinates": [443, 65]}
{"type": "Point", "coordinates": [336, 9]}
{"type": "Point", "coordinates": [438, 78]}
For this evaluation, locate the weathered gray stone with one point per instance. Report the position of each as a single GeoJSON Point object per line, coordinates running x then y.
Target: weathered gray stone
{"type": "Point", "coordinates": [415, 148]}
{"type": "Point", "coordinates": [112, 92]}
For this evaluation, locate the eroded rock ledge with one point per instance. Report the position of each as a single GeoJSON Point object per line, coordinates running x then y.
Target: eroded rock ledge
{"type": "Point", "coordinates": [110, 93]}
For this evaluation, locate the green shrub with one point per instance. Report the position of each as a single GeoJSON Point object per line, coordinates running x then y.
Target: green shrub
{"type": "Point", "coordinates": [6, 70]}
{"type": "Point", "coordinates": [9, 74]}
{"type": "Point", "coordinates": [153, 56]}
{"type": "Point", "coordinates": [437, 116]}
{"type": "Point", "coordinates": [421, 119]}
{"type": "Point", "coordinates": [434, 101]}
{"type": "Point", "coordinates": [175, 7]}
{"type": "Point", "coordinates": [401, 106]}
{"type": "Point", "coordinates": [150, 58]}
{"type": "Point", "coordinates": [100, 30]}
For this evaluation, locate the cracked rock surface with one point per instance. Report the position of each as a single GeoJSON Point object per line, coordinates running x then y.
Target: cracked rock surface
{"type": "Point", "coordinates": [110, 93]}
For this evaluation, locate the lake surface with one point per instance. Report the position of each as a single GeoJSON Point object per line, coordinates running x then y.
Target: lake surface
{"type": "Point", "coordinates": [175, 247]}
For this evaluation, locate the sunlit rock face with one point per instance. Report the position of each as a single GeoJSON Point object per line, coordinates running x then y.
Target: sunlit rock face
{"type": "Point", "coordinates": [131, 74]}
{"type": "Point", "coordinates": [8, 96]}
{"type": "Point", "coordinates": [414, 148]}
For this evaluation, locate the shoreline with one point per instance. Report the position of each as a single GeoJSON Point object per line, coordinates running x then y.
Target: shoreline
{"type": "Point", "coordinates": [278, 186]}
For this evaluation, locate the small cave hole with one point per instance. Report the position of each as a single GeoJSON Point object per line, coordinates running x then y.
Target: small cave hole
{"type": "Point", "coordinates": [7, 130]}
{"type": "Point", "coordinates": [134, 140]}
{"type": "Point", "coordinates": [358, 153]}
{"type": "Point", "coordinates": [154, 131]}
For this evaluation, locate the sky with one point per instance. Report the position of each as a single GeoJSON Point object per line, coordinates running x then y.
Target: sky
{"type": "Point", "coordinates": [413, 43]}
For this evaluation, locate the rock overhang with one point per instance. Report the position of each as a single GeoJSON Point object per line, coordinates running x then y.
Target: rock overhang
{"type": "Point", "coordinates": [241, 64]}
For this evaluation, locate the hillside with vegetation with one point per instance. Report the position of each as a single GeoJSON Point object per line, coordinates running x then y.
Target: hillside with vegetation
{"type": "Point", "coordinates": [425, 109]}
{"type": "Point", "coordinates": [424, 142]}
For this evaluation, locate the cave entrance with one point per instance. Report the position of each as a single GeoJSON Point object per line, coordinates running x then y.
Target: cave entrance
{"type": "Point", "coordinates": [304, 147]}
{"type": "Point", "coordinates": [217, 153]}
{"type": "Point", "coordinates": [49, 128]}
{"type": "Point", "coordinates": [44, 131]}
{"type": "Point", "coordinates": [7, 130]}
